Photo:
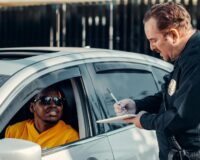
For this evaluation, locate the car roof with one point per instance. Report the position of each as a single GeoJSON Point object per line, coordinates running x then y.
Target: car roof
{"type": "Point", "coordinates": [13, 60]}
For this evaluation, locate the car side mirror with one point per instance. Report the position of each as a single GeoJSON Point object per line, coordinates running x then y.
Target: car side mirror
{"type": "Point", "coordinates": [18, 149]}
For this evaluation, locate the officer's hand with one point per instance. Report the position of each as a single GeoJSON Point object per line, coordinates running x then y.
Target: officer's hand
{"type": "Point", "coordinates": [136, 120]}
{"type": "Point", "coordinates": [125, 106]}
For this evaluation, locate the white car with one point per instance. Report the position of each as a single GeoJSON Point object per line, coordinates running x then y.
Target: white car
{"type": "Point", "coordinates": [84, 75]}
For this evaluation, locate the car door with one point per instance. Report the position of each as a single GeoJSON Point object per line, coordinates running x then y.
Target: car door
{"type": "Point", "coordinates": [89, 147]}
{"type": "Point", "coordinates": [125, 80]}
{"type": "Point", "coordinates": [92, 146]}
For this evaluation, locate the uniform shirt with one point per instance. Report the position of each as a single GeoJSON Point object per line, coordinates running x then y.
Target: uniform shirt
{"type": "Point", "coordinates": [59, 134]}
{"type": "Point", "coordinates": [175, 110]}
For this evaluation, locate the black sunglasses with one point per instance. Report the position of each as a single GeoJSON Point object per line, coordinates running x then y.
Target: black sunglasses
{"type": "Point", "coordinates": [46, 100]}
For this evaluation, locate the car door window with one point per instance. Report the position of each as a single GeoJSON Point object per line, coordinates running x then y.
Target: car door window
{"type": "Point", "coordinates": [18, 108]}
{"type": "Point", "coordinates": [125, 80]}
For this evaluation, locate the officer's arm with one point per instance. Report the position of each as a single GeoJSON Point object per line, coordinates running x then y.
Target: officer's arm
{"type": "Point", "coordinates": [184, 114]}
{"type": "Point", "coordinates": [149, 104]}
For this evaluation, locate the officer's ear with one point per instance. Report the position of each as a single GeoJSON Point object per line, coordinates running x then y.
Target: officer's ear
{"type": "Point", "coordinates": [32, 107]}
{"type": "Point", "coordinates": [173, 36]}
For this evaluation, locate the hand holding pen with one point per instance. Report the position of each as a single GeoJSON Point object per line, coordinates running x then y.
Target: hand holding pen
{"type": "Point", "coordinates": [124, 106]}
{"type": "Point", "coordinates": [120, 108]}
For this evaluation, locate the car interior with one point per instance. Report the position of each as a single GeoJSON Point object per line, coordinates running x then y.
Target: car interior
{"type": "Point", "coordinates": [69, 110]}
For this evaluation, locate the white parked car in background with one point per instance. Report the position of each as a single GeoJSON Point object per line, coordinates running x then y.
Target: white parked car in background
{"type": "Point", "coordinates": [84, 76]}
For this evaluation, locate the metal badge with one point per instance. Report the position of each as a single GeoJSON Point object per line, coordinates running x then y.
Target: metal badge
{"type": "Point", "coordinates": [172, 87]}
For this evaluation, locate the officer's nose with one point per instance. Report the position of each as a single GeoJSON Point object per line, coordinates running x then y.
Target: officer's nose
{"type": "Point", "coordinates": [152, 46]}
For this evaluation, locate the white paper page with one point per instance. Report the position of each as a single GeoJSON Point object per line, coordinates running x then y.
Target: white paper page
{"type": "Point", "coordinates": [117, 119]}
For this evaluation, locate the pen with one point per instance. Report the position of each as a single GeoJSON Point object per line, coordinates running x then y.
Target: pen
{"type": "Point", "coordinates": [116, 101]}
{"type": "Point", "coordinates": [112, 95]}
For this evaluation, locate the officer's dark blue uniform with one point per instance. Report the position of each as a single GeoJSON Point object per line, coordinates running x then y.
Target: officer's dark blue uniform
{"type": "Point", "coordinates": [177, 106]}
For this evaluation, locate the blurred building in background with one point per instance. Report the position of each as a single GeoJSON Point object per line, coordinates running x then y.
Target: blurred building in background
{"type": "Point", "coordinates": [113, 24]}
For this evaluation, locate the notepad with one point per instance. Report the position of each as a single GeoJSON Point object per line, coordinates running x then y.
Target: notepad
{"type": "Point", "coordinates": [117, 119]}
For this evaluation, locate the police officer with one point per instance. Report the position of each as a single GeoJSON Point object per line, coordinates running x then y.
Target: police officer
{"type": "Point", "coordinates": [174, 112]}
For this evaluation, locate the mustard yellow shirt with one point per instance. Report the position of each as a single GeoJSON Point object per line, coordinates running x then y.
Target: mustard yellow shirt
{"type": "Point", "coordinates": [59, 134]}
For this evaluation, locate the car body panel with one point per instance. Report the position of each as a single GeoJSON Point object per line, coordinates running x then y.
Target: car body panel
{"type": "Point", "coordinates": [143, 145]}
{"type": "Point", "coordinates": [93, 149]}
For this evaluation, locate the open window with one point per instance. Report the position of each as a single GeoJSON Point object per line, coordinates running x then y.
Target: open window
{"type": "Point", "coordinates": [65, 80]}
